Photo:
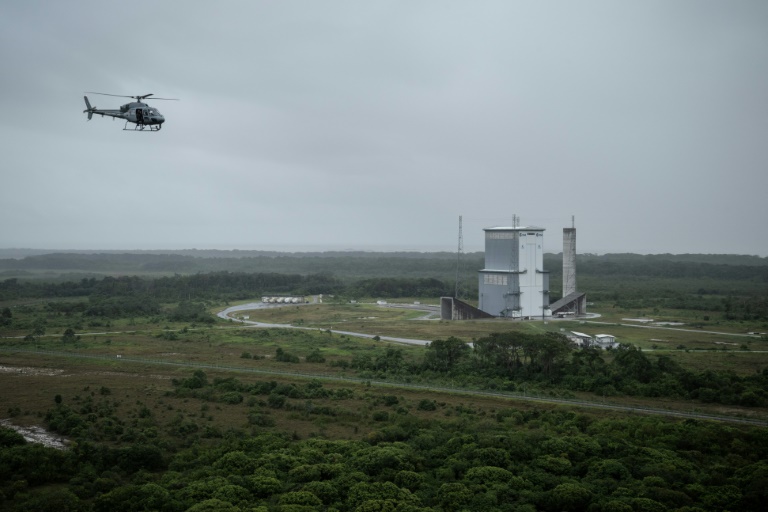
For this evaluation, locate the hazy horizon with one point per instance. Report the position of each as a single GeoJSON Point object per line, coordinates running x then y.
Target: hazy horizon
{"type": "Point", "coordinates": [319, 249]}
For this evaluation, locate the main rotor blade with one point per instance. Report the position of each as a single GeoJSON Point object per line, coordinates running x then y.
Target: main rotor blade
{"type": "Point", "coordinates": [138, 98]}
{"type": "Point", "coordinates": [106, 94]}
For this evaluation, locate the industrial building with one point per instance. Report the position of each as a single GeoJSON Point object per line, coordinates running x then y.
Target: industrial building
{"type": "Point", "coordinates": [513, 283]}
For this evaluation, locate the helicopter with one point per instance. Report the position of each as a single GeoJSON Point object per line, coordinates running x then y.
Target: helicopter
{"type": "Point", "coordinates": [140, 114]}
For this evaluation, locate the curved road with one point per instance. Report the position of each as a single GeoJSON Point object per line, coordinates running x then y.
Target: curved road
{"type": "Point", "coordinates": [227, 315]}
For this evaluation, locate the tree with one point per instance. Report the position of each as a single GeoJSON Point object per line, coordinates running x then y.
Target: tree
{"type": "Point", "coordinates": [380, 496]}
{"type": "Point", "coordinates": [69, 336]}
{"type": "Point", "coordinates": [214, 505]}
{"type": "Point", "coordinates": [235, 463]}
{"type": "Point", "coordinates": [10, 437]}
{"type": "Point", "coordinates": [53, 500]}
{"type": "Point", "coordinates": [444, 355]}
{"type": "Point", "coordinates": [633, 363]}
{"type": "Point", "coordinates": [38, 327]}
{"type": "Point", "coordinates": [390, 361]}
{"type": "Point", "coordinates": [453, 496]}
{"type": "Point", "coordinates": [263, 486]}
{"type": "Point", "coordinates": [300, 498]}
{"type": "Point", "coordinates": [198, 380]}
{"type": "Point", "coordinates": [6, 317]}
{"type": "Point", "coordinates": [191, 312]}
{"type": "Point", "coordinates": [569, 496]}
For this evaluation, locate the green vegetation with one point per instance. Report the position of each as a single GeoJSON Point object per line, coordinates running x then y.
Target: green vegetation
{"type": "Point", "coordinates": [412, 455]}
{"type": "Point", "coordinates": [168, 408]}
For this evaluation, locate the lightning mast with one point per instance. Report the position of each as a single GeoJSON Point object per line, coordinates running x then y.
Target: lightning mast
{"type": "Point", "coordinates": [458, 259]}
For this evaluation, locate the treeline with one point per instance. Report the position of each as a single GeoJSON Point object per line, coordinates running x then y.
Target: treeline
{"type": "Point", "coordinates": [442, 458]}
{"type": "Point", "coordinates": [659, 267]}
{"type": "Point", "coordinates": [515, 361]}
{"type": "Point", "coordinates": [221, 285]}
{"type": "Point", "coordinates": [733, 285]}
{"type": "Point", "coordinates": [345, 265]}
{"type": "Point", "coordinates": [385, 264]}
{"type": "Point", "coordinates": [131, 295]}
{"type": "Point", "coordinates": [399, 287]}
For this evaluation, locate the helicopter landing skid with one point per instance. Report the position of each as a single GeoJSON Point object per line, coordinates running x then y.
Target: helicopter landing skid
{"type": "Point", "coordinates": [142, 127]}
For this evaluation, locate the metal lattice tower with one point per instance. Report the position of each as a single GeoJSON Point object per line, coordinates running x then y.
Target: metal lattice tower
{"type": "Point", "coordinates": [458, 259]}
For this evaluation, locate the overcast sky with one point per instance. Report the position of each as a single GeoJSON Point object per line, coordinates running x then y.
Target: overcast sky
{"type": "Point", "coordinates": [376, 124]}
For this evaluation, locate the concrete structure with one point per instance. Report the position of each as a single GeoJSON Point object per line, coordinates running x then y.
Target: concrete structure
{"type": "Point", "coordinates": [569, 261]}
{"type": "Point", "coordinates": [452, 308]}
{"type": "Point", "coordinates": [572, 302]}
{"type": "Point", "coordinates": [513, 282]}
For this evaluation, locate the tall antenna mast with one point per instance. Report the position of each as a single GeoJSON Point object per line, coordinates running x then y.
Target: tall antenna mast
{"type": "Point", "coordinates": [458, 259]}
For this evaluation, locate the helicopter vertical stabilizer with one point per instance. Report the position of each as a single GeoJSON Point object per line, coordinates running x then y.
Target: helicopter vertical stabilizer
{"type": "Point", "coordinates": [89, 109]}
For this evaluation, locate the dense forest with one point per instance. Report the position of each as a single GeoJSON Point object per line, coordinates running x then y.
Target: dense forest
{"type": "Point", "coordinates": [418, 457]}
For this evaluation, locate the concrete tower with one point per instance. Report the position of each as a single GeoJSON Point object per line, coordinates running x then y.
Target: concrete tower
{"type": "Point", "coordinates": [569, 261]}
{"type": "Point", "coordinates": [513, 282]}
{"type": "Point", "coordinates": [572, 302]}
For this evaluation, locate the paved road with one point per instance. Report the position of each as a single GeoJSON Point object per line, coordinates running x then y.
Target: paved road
{"type": "Point", "coordinates": [227, 315]}
{"type": "Point", "coordinates": [664, 327]}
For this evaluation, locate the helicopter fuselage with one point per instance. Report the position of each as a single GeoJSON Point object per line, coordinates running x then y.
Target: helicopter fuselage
{"type": "Point", "coordinates": [136, 112]}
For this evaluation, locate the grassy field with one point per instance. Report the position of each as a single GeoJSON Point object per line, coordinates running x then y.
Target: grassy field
{"type": "Point", "coordinates": [378, 320]}
{"type": "Point", "coordinates": [30, 381]}
{"type": "Point", "coordinates": [30, 385]}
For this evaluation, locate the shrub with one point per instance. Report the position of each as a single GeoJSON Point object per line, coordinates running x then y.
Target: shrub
{"type": "Point", "coordinates": [427, 405]}
{"type": "Point", "coordinates": [232, 397]}
{"type": "Point", "coordinates": [315, 357]}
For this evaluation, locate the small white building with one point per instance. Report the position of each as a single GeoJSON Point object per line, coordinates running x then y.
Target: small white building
{"type": "Point", "coordinates": [605, 341]}
{"type": "Point", "coordinates": [580, 339]}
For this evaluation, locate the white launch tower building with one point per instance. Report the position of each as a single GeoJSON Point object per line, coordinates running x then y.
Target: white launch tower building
{"type": "Point", "coordinates": [513, 282]}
